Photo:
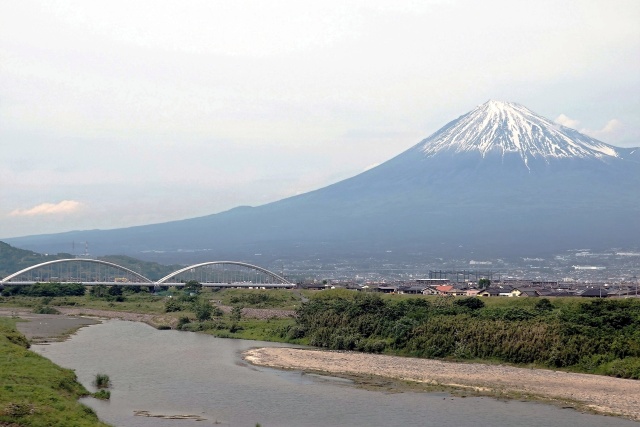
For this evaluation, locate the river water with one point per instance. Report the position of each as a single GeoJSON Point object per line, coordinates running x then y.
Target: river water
{"type": "Point", "coordinates": [172, 372]}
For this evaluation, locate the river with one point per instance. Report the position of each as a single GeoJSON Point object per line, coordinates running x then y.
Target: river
{"type": "Point", "coordinates": [171, 372]}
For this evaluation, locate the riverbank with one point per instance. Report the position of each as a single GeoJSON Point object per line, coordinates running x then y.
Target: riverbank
{"type": "Point", "coordinates": [604, 395]}
{"type": "Point", "coordinates": [41, 328]}
{"type": "Point", "coordinates": [34, 390]}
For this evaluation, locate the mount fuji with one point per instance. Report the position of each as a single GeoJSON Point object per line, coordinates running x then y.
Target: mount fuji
{"type": "Point", "coordinates": [497, 181]}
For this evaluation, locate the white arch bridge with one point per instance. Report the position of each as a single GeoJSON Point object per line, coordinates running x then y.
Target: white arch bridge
{"type": "Point", "coordinates": [92, 272]}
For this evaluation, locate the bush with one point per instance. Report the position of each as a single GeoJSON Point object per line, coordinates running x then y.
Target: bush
{"type": "Point", "coordinates": [202, 310]}
{"type": "Point", "coordinates": [544, 305]}
{"type": "Point", "coordinates": [45, 309]}
{"type": "Point", "coordinates": [172, 305]}
{"type": "Point", "coordinates": [17, 338]}
{"type": "Point", "coordinates": [45, 290]}
{"type": "Point", "coordinates": [470, 303]}
{"type": "Point", "coordinates": [18, 409]}
{"type": "Point", "coordinates": [102, 381]}
{"type": "Point", "coordinates": [182, 321]}
{"type": "Point", "coordinates": [192, 286]}
{"type": "Point", "coordinates": [114, 290]}
{"type": "Point", "coordinates": [629, 367]}
{"type": "Point", "coordinates": [236, 313]}
{"type": "Point", "coordinates": [102, 394]}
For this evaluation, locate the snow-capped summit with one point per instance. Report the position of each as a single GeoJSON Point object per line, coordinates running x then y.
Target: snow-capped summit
{"type": "Point", "coordinates": [510, 128]}
{"type": "Point", "coordinates": [498, 180]}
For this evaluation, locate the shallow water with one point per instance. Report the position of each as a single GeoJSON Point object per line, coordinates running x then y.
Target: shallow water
{"type": "Point", "coordinates": [171, 372]}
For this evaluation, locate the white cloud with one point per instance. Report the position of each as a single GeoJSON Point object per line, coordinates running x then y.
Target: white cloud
{"type": "Point", "coordinates": [64, 207]}
{"type": "Point", "coordinates": [610, 132]}
{"type": "Point", "coordinates": [567, 121]}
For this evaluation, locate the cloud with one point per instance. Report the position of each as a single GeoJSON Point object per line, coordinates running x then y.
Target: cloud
{"type": "Point", "coordinates": [567, 121]}
{"type": "Point", "coordinates": [64, 207]}
{"type": "Point", "coordinates": [612, 131]}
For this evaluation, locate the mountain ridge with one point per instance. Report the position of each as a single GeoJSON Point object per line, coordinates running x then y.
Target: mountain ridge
{"type": "Point", "coordinates": [479, 197]}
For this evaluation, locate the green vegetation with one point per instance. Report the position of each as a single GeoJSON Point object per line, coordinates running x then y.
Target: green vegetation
{"type": "Point", "coordinates": [260, 298]}
{"type": "Point", "coordinates": [192, 286]}
{"type": "Point", "coordinates": [34, 391]}
{"type": "Point", "coordinates": [202, 310]}
{"type": "Point", "coordinates": [102, 394]}
{"type": "Point", "coordinates": [45, 309]}
{"type": "Point", "coordinates": [598, 336]}
{"type": "Point", "coordinates": [102, 381]}
{"type": "Point", "coordinates": [236, 313]}
{"type": "Point", "coordinates": [132, 299]}
{"type": "Point", "coordinates": [45, 290]}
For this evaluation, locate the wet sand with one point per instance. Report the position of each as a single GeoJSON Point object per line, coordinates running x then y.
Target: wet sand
{"type": "Point", "coordinates": [597, 393]}
{"type": "Point", "coordinates": [46, 327]}
{"type": "Point", "coordinates": [56, 327]}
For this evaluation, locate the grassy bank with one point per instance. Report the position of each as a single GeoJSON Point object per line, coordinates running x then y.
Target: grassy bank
{"type": "Point", "coordinates": [33, 390]}
{"type": "Point", "coordinates": [178, 309]}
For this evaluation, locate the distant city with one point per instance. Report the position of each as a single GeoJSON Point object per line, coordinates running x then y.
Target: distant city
{"type": "Point", "coordinates": [581, 266]}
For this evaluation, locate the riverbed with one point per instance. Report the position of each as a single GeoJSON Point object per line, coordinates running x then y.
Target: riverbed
{"type": "Point", "coordinates": [168, 373]}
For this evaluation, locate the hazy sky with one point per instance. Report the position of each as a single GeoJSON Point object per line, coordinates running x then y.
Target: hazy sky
{"type": "Point", "coordinates": [117, 113]}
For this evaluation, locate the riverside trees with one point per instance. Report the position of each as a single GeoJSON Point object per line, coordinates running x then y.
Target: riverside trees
{"type": "Point", "coordinates": [600, 336]}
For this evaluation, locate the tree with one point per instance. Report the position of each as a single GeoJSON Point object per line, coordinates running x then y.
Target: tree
{"type": "Point", "coordinates": [114, 290]}
{"type": "Point", "coordinates": [484, 283]}
{"type": "Point", "coordinates": [98, 291]}
{"type": "Point", "coordinates": [172, 305]}
{"type": "Point", "coordinates": [236, 313]}
{"type": "Point", "coordinates": [202, 310]}
{"type": "Point", "coordinates": [193, 286]}
{"type": "Point", "coordinates": [544, 305]}
{"type": "Point", "coordinates": [470, 303]}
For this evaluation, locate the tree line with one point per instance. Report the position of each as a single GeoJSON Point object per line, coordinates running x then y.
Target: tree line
{"type": "Point", "coordinates": [598, 336]}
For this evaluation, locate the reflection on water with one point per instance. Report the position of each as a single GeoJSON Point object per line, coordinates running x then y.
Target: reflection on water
{"type": "Point", "coordinates": [171, 372]}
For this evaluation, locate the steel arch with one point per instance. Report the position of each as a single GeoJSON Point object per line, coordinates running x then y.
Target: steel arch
{"type": "Point", "coordinates": [59, 261]}
{"type": "Point", "coordinates": [242, 264]}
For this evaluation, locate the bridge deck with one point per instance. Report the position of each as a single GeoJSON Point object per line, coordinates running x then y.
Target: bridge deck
{"type": "Point", "coordinates": [177, 285]}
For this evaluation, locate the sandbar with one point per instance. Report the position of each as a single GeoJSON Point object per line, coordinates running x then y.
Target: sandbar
{"type": "Point", "coordinates": [600, 394]}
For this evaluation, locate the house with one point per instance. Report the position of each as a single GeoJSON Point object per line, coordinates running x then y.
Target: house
{"type": "Point", "coordinates": [456, 292]}
{"type": "Point", "coordinates": [593, 293]}
{"type": "Point", "coordinates": [490, 292]}
{"type": "Point", "coordinates": [472, 292]}
{"type": "Point", "coordinates": [433, 282]}
{"type": "Point", "coordinates": [545, 284]}
{"type": "Point", "coordinates": [515, 292]}
{"type": "Point", "coordinates": [414, 290]}
{"type": "Point", "coordinates": [528, 292]}
{"type": "Point", "coordinates": [444, 289]}
{"type": "Point", "coordinates": [314, 286]}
